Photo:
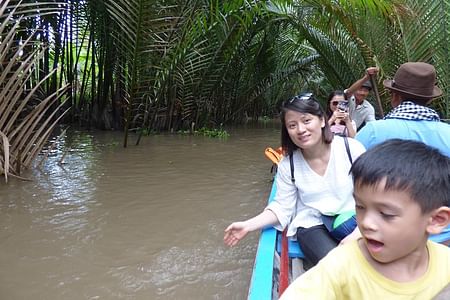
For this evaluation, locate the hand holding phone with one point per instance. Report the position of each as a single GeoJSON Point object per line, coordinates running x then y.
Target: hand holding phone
{"type": "Point", "coordinates": [343, 106]}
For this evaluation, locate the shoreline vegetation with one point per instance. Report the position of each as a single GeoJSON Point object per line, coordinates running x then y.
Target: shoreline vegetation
{"type": "Point", "coordinates": [161, 67]}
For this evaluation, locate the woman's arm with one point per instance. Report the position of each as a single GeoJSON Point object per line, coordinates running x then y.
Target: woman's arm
{"type": "Point", "coordinates": [343, 116]}
{"type": "Point", "coordinates": [278, 213]}
{"type": "Point", "coordinates": [332, 119]}
{"type": "Point", "coordinates": [351, 131]}
{"type": "Point", "coordinates": [238, 230]}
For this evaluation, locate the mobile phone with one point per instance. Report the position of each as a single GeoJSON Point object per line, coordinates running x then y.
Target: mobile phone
{"type": "Point", "coordinates": [343, 106]}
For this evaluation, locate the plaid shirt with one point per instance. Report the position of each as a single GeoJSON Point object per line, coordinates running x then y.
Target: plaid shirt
{"type": "Point", "coordinates": [409, 110]}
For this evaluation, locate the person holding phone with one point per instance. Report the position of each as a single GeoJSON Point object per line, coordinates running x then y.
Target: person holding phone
{"type": "Point", "coordinates": [338, 116]}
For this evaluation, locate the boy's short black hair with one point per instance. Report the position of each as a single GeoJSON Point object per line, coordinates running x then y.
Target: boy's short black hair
{"type": "Point", "coordinates": [304, 103]}
{"type": "Point", "coordinates": [409, 166]}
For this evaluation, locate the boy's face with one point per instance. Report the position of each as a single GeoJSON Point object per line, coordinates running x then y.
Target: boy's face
{"type": "Point", "coordinates": [391, 223]}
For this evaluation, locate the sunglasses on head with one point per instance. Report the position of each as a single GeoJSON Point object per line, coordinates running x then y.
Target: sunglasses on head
{"type": "Point", "coordinates": [302, 97]}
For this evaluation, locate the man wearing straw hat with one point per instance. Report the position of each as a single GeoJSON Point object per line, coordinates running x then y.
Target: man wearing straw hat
{"type": "Point", "coordinates": [412, 88]}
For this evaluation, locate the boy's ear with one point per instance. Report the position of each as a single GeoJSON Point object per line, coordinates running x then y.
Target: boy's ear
{"type": "Point", "coordinates": [439, 220]}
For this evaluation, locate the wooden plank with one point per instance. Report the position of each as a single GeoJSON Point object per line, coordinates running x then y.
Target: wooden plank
{"type": "Point", "coordinates": [297, 268]}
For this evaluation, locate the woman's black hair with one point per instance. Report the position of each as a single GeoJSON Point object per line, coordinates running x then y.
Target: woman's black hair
{"type": "Point", "coordinates": [307, 104]}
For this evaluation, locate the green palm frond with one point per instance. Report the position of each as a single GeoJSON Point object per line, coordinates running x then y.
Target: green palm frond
{"type": "Point", "coordinates": [151, 42]}
{"type": "Point", "coordinates": [424, 35]}
{"type": "Point", "coordinates": [349, 36]}
{"type": "Point", "coordinates": [336, 48]}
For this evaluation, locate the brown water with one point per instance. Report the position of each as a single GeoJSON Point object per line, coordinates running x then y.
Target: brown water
{"type": "Point", "coordinates": [98, 221]}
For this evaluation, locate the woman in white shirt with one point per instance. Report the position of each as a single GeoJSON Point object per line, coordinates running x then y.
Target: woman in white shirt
{"type": "Point", "coordinates": [317, 183]}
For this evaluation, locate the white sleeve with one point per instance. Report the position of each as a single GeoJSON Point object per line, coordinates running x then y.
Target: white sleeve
{"type": "Point", "coordinates": [351, 106]}
{"type": "Point", "coordinates": [283, 205]}
{"type": "Point", "coordinates": [354, 125]}
{"type": "Point", "coordinates": [356, 148]}
{"type": "Point", "coordinates": [370, 114]}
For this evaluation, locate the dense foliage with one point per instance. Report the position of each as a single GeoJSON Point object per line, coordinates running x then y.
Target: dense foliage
{"type": "Point", "coordinates": [151, 65]}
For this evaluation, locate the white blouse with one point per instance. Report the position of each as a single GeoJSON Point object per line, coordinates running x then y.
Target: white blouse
{"type": "Point", "coordinates": [302, 203]}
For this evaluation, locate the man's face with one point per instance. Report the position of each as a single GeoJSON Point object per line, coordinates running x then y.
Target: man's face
{"type": "Point", "coordinates": [361, 94]}
{"type": "Point", "coordinates": [395, 99]}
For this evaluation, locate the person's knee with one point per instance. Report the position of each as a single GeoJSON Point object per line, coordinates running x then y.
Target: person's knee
{"type": "Point", "coordinates": [315, 242]}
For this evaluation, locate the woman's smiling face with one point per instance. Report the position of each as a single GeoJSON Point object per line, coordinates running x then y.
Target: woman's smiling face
{"type": "Point", "coordinates": [305, 130]}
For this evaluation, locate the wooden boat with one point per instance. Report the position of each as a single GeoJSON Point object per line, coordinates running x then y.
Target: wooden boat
{"type": "Point", "coordinates": [279, 260]}
{"type": "Point", "coordinates": [268, 267]}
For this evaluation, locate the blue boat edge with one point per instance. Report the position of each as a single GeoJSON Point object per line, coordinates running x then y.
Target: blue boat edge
{"type": "Point", "coordinates": [262, 275]}
{"type": "Point", "coordinates": [262, 280]}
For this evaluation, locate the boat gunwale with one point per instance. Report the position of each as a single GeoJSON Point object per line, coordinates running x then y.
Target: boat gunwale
{"type": "Point", "coordinates": [262, 275]}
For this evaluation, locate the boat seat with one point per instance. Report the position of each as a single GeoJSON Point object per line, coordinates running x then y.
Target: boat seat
{"type": "Point", "coordinates": [294, 248]}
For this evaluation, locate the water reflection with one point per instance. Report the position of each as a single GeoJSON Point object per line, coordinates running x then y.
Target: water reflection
{"type": "Point", "coordinates": [70, 178]}
{"type": "Point", "coordinates": [144, 222]}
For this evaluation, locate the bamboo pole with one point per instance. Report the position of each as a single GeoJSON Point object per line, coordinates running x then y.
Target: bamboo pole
{"type": "Point", "coordinates": [377, 95]}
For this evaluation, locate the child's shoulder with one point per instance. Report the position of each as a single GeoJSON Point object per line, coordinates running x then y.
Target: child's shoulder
{"type": "Point", "coordinates": [342, 265]}
{"type": "Point", "coordinates": [346, 254]}
{"type": "Point", "coordinates": [439, 264]}
{"type": "Point", "coordinates": [439, 259]}
{"type": "Point", "coordinates": [439, 250]}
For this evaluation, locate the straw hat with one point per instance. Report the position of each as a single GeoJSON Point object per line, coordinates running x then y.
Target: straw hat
{"type": "Point", "coordinates": [415, 79]}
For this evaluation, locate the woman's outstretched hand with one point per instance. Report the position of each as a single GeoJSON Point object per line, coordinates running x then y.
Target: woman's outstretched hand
{"type": "Point", "coordinates": [234, 233]}
{"type": "Point", "coordinates": [238, 230]}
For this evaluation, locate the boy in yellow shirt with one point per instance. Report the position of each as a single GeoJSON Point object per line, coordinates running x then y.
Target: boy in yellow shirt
{"type": "Point", "coordinates": [402, 195]}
